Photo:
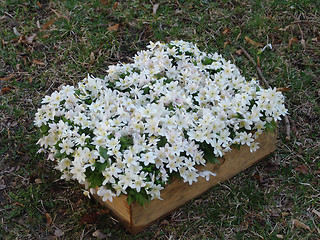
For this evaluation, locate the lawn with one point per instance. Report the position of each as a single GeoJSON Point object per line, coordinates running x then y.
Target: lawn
{"type": "Point", "coordinates": [45, 44]}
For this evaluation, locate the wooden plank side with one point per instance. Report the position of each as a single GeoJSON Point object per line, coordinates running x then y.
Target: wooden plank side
{"type": "Point", "coordinates": [136, 218]}
{"type": "Point", "coordinates": [178, 192]}
{"type": "Point", "coordinates": [238, 160]}
{"type": "Point", "coordinates": [119, 208]}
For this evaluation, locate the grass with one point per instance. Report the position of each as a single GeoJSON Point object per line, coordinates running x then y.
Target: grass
{"type": "Point", "coordinates": [260, 203]}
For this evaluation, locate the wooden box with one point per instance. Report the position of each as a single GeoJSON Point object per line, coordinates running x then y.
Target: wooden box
{"type": "Point", "coordinates": [136, 218]}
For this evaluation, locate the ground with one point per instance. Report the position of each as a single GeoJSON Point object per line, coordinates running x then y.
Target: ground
{"type": "Point", "coordinates": [44, 44]}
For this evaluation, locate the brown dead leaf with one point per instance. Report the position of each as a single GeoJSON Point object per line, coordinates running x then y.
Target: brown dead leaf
{"type": "Point", "coordinates": [115, 5]}
{"type": "Point", "coordinates": [293, 40]}
{"type": "Point", "coordinates": [258, 178]}
{"type": "Point", "coordinates": [24, 59]}
{"type": "Point", "coordinates": [303, 169]}
{"type": "Point", "coordinates": [226, 43]}
{"type": "Point", "coordinates": [239, 51]}
{"type": "Point", "coordinates": [46, 36]}
{"type": "Point", "coordinates": [92, 58]}
{"type": "Point", "coordinates": [39, 4]}
{"type": "Point", "coordinates": [2, 42]}
{"type": "Point", "coordinates": [19, 204]}
{"type": "Point", "coordinates": [226, 31]}
{"type": "Point", "coordinates": [48, 24]}
{"type": "Point", "coordinates": [93, 217]}
{"type": "Point", "coordinates": [38, 180]}
{"type": "Point", "coordinates": [284, 214]}
{"type": "Point", "coordinates": [30, 79]}
{"type": "Point", "coordinates": [59, 15]}
{"type": "Point", "coordinates": [297, 223]}
{"type": "Point", "coordinates": [5, 90]}
{"type": "Point", "coordinates": [105, 2]}
{"type": "Point", "coordinates": [49, 219]}
{"type": "Point", "coordinates": [8, 78]}
{"type": "Point", "coordinates": [27, 40]}
{"type": "Point", "coordinates": [164, 222]}
{"type": "Point", "coordinates": [283, 89]}
{"type": "Point", "coordinates": [254, 43]}
{"type": "Point", "coordinates": [258, 62]}
{"type": "Point", "coordinates": [316, 39]}
{"type": "Point", "coordinates": [114, 28]}
{"type": "Point", "coordinates": [316, 212]}
{"type": "Point", "coordinates": [37, 62]}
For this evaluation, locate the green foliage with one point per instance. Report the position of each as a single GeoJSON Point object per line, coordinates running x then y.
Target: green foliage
{"type": "Point", "coordinates": [140, 197]}
{"type": "Point", "coordinates": [126, 142]}
{"type": "Point", "coordinates": [101, 166]}
{"type": "Point", "coordinates": [44, 129]}
{"type": "Point", "coordinates": [95, 177]}
{"type": "Point", "coordinates": [207, 61]}
{"type": "Point", "coordinates": [271, 127]}
{"type": "Point", "coordinates": [60, 155]}
{"type": "Point", "coordinates": [208, 153]}
{"type": "Point", "coordinates": [104, 153]}
{"type": "Point", "coordinates": [162, 142]}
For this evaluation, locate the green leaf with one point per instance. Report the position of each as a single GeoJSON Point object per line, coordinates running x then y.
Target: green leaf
{"type": "Point", "coordinates": [162, 142]}
{"type": "Point", "coordinates": [207, 61]}
{"type": "Point", "coordinates": [104, 153]}
{"type": "Point", "coordinates": [125, 142]}
{"type": "Point", "coordinates": [44, 129]}
{"type": "Point", "coordinates": [88, 101]}
{"type": "Point", "coordinates": [146, 90]}
{"type": "Point", "coordinates": [94, 177]}
{"type": "Point", "coordinates": [140, 197]}
{"type": "Point", "coordinates": [60, 155]}
{"type": "Point", "coordinates": [239, 116]}
{"type": "Point", "coordinates": [271, 127]}
{"type": "Point", "coordinates": [208, 153]}
{"type": "Point", "coordinates": [101, 166]}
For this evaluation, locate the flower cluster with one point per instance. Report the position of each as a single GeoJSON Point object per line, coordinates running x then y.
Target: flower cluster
{"type": "Point", "coordinates": [172, 109]}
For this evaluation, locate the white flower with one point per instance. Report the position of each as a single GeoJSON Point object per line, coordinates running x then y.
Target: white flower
{"type": "Point", "coordinates": [147, 158]}
{"type": "Point", "coordinates": [191, 176]}
{"type": "Point", "coordinates": [66, 146]}
{"type": "Point", "coordinates": [138, 183]}
{"type": "Point", "coordinates": [77, 171]}
{"type": "Point", "coordinates": [206, 174]}
{"type": "Point", "coordinates": [106, 194]}
{"type": "Point", "coordinates": [254, 146]}
{"type": "Point", "coordinates": [63, 164]}
{"type": "Point", "coordinates": [246, 138]}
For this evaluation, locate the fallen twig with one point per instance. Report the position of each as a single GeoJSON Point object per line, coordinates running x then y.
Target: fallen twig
{"type": "Point", "coordinates": [257, 67]}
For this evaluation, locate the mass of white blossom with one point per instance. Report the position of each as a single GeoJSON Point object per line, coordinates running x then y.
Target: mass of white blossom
{"type": "Point", "coordinates": [174, 108]}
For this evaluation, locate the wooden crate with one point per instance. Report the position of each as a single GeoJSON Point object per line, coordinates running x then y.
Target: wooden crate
{"type": "Point", "coordinates": [135, 218]}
